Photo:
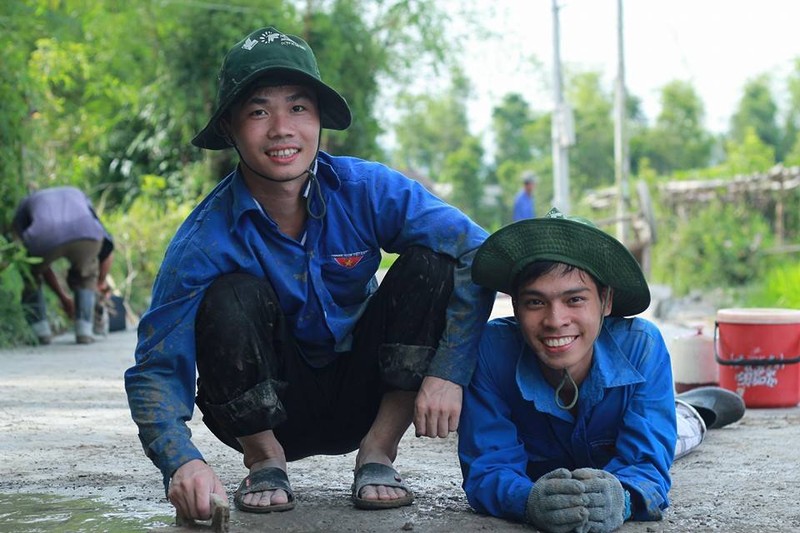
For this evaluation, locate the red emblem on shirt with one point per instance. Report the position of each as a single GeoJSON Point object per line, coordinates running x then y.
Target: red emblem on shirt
{"type": "Point", "coordinates": [348, 261]}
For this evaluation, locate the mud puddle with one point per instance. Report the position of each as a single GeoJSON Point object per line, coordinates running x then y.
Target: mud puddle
{"type": "Point", "coordinates": [45, 513]}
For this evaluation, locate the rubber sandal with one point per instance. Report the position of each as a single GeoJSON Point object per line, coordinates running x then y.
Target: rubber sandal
{"type": "Point", "coordinates": [269, 478]}
{"type": "Point", "coordinates": [379, 474]}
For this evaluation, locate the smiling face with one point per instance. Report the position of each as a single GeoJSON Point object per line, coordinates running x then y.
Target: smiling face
{"type": "Point", "coordinates": [560, 314]}
{"type": "Point", "coordinates": [276, 130]}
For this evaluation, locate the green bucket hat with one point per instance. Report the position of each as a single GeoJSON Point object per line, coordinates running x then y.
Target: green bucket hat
{"type": "Point", "coordinates": [570, 240]}
{"type": "Point", "coordinates": [268, 52]}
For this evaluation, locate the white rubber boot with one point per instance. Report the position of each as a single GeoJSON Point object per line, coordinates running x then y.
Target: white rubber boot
{"type": "Point", "coordinates": [84, 316]}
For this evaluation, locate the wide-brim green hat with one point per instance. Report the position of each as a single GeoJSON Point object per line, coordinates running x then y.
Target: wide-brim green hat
{"type": "Point", "coordinates": [571, 240]}
{"type": "Point", "coordinates": [268, 52]}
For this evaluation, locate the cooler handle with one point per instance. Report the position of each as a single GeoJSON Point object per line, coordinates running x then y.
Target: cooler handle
{"type": "Point", "coordinates": [749, 362]}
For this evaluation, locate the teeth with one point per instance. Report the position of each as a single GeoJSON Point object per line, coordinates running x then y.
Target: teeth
{"type": "Point", "coordinates": [556, 343]}
{"type": "Point", "coordinates": [283, 153]}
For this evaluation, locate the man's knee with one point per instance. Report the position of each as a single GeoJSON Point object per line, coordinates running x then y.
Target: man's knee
{"type": "Point", "coordinates": [235, 330]}
{"type": "Point", "coordinates": [232, 297]}
{"type": "Point", "coordinates": [402, 366]}
{"type": "Point", "coordinates": [423, 264]}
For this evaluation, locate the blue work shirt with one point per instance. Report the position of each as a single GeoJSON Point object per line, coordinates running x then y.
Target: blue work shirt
{"type": "Point", "coordinates": [512, 432]}
{"type": "Point", "coordinates": [524, 206]}
{"type": "Point", "coordinates": [323, 283]}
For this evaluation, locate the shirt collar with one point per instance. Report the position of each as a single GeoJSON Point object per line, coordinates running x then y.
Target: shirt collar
{"type": "Point", "coordinates": [610, 368]}
{"type": "Point", "coordinates": [243, 201]}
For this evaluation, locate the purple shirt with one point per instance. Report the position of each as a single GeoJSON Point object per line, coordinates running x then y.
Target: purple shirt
{"type": "Point", "coordinates": [52, 217]}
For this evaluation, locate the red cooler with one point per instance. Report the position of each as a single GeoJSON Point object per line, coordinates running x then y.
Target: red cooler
{"type": "Point", "coordinates": [758, 350]}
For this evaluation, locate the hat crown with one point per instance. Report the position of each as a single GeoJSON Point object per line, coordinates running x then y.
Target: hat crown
{"type": "Point", "coordinates": [264, 49]}
{"type": "Point", "coordinates": [268, 52]}
{"type": "Point", "coordinates": [564, 239]}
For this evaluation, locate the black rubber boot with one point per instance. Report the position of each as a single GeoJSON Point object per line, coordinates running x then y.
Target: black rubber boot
{"type": "Point", "coordinates": [718, 407]}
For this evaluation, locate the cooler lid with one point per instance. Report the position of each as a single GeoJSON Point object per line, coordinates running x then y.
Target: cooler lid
{"type": "Point", "coordinates": [758, 315]}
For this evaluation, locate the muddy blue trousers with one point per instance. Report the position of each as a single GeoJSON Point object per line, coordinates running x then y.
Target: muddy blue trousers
{"type": "Point", "coordinates": [252, 375]}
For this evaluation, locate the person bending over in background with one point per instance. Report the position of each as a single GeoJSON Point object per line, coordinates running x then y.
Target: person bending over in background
{"type": "Point", "coordinates": [61, 222]}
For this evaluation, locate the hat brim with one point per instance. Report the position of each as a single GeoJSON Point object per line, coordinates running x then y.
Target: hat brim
{"type": "Point", "coordinates": [510, 249]}
{"type": "Point", "coordinates": [334, 111]}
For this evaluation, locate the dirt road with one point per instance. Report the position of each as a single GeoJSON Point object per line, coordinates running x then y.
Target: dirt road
{"type": "Point", "coordinates": [70, 460]}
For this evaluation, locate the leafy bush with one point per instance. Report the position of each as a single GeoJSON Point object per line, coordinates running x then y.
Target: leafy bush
{"type": "Point", "coordinates": [14, 260]}
{"type": "Point", "coordinates": [141, 235]}
{"type": "Point", "coordinates": [721, 246]}
{"type": "Point", "coordinates": [780, 288]}
{"type": "Point", "coordinates": [14, 329]}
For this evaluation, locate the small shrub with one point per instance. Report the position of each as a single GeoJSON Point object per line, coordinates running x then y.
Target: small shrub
{"type": "Point", "coordinates": [14, 330]}
{"type": "Point", "coordinates": [780, 288]}
{"type": "Point", "coordinates": [721, 246]}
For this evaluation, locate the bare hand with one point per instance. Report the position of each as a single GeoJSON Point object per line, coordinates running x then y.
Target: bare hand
{"type": "Point", "coordinates": [68, 305]}
{"type": "Point", "coordinates": [191, 488]}
{"type": "Point", "coordinates": [437, 407]}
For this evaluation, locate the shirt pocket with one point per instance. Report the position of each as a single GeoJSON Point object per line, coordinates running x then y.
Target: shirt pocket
{"type": "Point", "coordinates": [347, 275]}
{"type": "Point", "coordinates": [602, 450]}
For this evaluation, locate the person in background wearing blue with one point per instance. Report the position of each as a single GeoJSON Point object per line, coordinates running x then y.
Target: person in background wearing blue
{"type": "Point", "coordinates": [570, 422]}
{"type": "Point", "coordinates": [55, 223]}
{"type": "Point", "coordinates": [268, 297]}
{"type": "Point", "coordinates": [525, 201]}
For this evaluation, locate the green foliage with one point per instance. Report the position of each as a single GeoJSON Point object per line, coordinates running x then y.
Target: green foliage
{"type": "Point", "coordinates": [758, 111]}
{"type": "Point", "coordinates": [13, 256]}
{"type": "Point", "coordinates": [749, 156]}
{"type": "Point", "coordinates": [14, 329]}
{"type": "Point", "coordinates": [463, 169]}
{"type": "Point", "coordinates": [338, 37]}
{"type": "Point", "coordinates": [780, 288]}
{"type": "Point", "coordinates": [17, 22]}
{"type": "Point", "coordinates": [14, 261]}
{"type": "Point", "coordinates": [141, 235]}
{"type": "Point", "coordinates": [678, 140]}
{"type": "Point", "coordinates": [430, 128]}
{"type": "Point", "coordinates": [591, 159]}
{"type": "Point", "coordinates": [721, 246]}
{"type": "Point", "coordinates": [509, 120]}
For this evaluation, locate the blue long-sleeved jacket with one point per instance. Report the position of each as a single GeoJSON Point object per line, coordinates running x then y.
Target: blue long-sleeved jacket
{"type": "Point", "coordinates": [323, 283]}
{"type": "Point", "coordinates": [511, 431]}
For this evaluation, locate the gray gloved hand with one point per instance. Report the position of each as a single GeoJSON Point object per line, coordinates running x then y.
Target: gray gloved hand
{"type": "Point", "coordinates": [557, 503]}
{"type": "Point", "coordinates": [606, 499]}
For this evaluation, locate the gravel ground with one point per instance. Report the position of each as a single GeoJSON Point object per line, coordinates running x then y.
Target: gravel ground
{"type": "Point", "coordinates": [65, 432]}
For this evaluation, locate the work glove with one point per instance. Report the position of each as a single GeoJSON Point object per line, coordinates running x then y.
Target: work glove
{"type": "Point", "coordinates": [606, 500]}
{"type": "Point", "coordinates": [557, 503]}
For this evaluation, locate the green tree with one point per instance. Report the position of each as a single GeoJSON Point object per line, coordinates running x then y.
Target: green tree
{"type": "Point", "coordinates": [750, 155]}
{"type": "Point", "coordinates": [758, 111]}
{"type": "Point", "coordinates": [509, 120]}
{"type": "Point", "coordinates": [463, 169]}
{"type": "Point", "coordinates": [520, 148]}
{"type": "Point", "coordinates": [790, 143]}
{"type": "Point", "coordinates": [591, 159]}
{"type": "Point", "coordinates": [18, 157]}
{"type": "Point", "coordinates": [432, 127]}
{"type": "Point", "coordinates": [678, 140]}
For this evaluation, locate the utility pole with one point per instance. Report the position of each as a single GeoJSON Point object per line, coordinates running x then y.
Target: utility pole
{"type": "Point", "coordinates": [621, 162]}
{"type": "Point", "coordinates": [562, 130]}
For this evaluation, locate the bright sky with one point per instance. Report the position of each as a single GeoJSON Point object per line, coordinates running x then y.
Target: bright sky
{"type": "Point", "coordinates": [717, 45]}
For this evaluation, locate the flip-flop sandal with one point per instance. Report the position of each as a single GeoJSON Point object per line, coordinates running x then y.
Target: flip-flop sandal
{"type": "Point", "coordinates": [269, 478]}
{"type": "Point", "coordinates": [379, 474]}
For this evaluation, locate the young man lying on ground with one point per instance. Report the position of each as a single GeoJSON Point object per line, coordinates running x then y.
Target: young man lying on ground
{"type": "Point", "coordinates": [569, 423]}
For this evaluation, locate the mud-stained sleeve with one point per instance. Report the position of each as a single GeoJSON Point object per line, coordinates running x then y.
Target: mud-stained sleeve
{"type": "Point", "coordinates": [467, 314]}
{"type": "Point", "coordinates": [161, 384]}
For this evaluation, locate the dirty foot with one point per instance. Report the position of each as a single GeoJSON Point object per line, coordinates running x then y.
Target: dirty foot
{"type": "Point", "coordinates": [274, 499]}
{"type": "Point", "coordinates": [378, 485]}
